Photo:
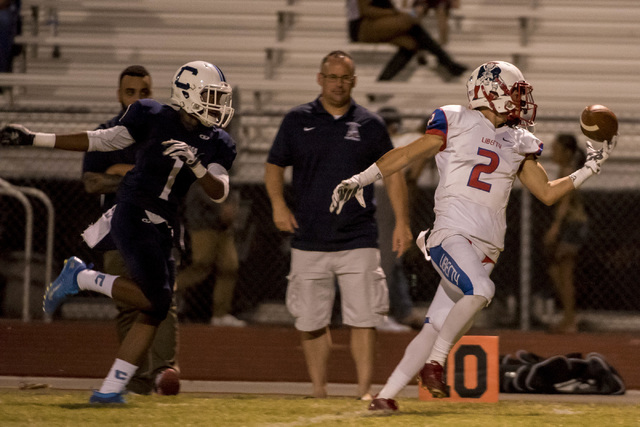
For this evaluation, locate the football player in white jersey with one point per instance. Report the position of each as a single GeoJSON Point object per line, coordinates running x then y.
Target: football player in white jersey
{"type": "Point", "coordinates": [479, 150]}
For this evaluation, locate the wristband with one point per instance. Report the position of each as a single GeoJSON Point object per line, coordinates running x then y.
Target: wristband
{"type": "Point", "coordinates": [369, 175]}
{"type": "Point", "coordinates": [47, 140]}
{"type": "Point", "coordinates": [580, 176]}
{"type": "Point", "coordinates": [198, 170]}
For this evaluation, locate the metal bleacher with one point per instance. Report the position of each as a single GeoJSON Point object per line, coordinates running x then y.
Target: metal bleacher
{"type": "Point", "coordinates": [73, 51]}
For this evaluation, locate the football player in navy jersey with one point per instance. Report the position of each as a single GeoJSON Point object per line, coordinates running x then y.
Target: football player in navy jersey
{"type": "Point", "coordinates": [178, 144]}
{"type": "Point", "coordinates": [102, 172]}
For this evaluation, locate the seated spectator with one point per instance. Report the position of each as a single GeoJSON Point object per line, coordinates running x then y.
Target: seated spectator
{"type": "Point", "coordinates": [441, 9]}
{"type": "Point", "coordinates": [379, 21]}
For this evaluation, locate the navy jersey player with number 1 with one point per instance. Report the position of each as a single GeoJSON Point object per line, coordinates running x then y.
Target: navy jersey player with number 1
{"type": "Point", "coordinates": [179, 144]}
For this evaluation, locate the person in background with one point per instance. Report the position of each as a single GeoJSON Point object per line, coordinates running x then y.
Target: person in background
{"type": "Point", "coordinates": [379, 21]}
{"type": "Point", "coordinates": [9, 22]}
{"type": "Point", "coordinates": [480, 149]}
{"type": "Point", "coordinates": [401, 316]}
{"type": "Point", "coordinates": [102, 174]}
{"type": "Point", "coordinates": [324, 141]}
{"type": "Point", "coordinates": [567, 233]}
{"type": "Point", "coordinates": [442, 9]}
{"type": "Point", "coordinates": [180, 143]}
{"type": "Point", "coordinates": [214, 257]}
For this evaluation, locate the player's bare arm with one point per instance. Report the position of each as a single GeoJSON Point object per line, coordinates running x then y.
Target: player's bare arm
{"type": "Point", "coordinates": [426, 146]}
{"type": "Point", "coordinates": [72, 142]}
{"type": "Point", "coordinates": [110, 139]}
{"type": "Point", "coordinates": [535, 178]}
{"type": "Point", "coordinates": [422, 148]}
{"type": "Point", "coordinates": [18, 135]}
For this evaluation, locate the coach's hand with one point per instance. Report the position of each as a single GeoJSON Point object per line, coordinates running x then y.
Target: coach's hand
{"type": "Point", "coordinates": [13, 135]}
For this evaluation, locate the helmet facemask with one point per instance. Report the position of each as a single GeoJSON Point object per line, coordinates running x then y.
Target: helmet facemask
{"type": "Point", "coordinates": [215, 107]}
{"type": "Point", "coordinates": [521, 107]}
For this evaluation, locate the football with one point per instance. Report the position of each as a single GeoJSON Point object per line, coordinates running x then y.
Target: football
{"type": "Point", "coordinates": [598, 123]}
{"type": "Point", "coordinates": [168, 382]}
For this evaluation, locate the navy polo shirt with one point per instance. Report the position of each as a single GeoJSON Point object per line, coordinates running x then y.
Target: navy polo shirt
{"type": "Point", "coordinates": [324, 151]}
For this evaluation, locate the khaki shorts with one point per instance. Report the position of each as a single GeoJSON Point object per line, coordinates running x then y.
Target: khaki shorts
{"type": "Point", "coordinates": [311, 291]}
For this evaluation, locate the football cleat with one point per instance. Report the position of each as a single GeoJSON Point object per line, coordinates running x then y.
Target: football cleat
{"type": "Point", "coordinates": [65, 285]}
{"type": "Point", "coordinates": [106, 398]}
{"type": "Point", "coordinates": [380, 404]}
{"type": "Point", "coordinates": [431, 377]}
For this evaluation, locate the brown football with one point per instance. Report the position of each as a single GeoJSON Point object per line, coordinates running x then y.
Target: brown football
{"type": "Point", "coordinates": [598, 123]}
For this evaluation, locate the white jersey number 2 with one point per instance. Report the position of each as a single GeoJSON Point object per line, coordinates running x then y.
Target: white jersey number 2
{"type": "Point", "coordinates": [474, 177]}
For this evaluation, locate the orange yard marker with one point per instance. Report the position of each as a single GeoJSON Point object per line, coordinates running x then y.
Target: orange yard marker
{"type": "Point", "coordinates": [472, 371]}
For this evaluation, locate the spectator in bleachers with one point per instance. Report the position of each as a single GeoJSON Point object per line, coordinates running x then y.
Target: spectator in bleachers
{"type": "Point", "coordinates": [567, 233]}
{"type": "Point", "coordinates": [324, 141]}
{"type": "Point", "coordinates": [442, 9]}
{"type": "Point", "coordinates": [379, 21]}
{"type": "Point", "coordinates": [9, 18]}
{"type": "Point", "coordinates": [214, 257]}
{"type": "Point", "coordinates": [103, 172]}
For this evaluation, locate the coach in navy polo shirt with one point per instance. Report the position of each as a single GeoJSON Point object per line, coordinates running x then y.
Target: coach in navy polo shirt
{"type": "Point", "coordinates": [326, 141]}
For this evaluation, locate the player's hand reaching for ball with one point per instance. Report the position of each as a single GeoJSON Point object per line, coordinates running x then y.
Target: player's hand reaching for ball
{"type": "Point", "coordinates": [16, 135]}
{"type": "Point", "coordinates": [595, 158]}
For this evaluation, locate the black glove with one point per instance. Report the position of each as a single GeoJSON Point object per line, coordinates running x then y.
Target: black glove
{"type": "Point", "coordinates": [16, 135]}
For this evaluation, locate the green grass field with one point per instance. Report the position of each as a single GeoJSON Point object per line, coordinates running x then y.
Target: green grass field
{"type": "Point", "coordinates": [48, 407]}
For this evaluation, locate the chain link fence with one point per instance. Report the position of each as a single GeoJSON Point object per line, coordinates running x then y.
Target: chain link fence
{"type": "Point", "coordinates": [605, 275]}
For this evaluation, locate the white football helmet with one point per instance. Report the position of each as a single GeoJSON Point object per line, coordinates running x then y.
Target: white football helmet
{"type": "Point", "coordinates": [501, 87]}
{"type": "Point", "coordinates": [200, 89]}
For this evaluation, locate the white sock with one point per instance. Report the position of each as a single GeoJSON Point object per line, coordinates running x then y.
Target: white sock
{"type": "Point", "coordinates": [440, 351]}
{"type": "Point", "coordinates": [411, 363]}
{"type": "Point", "coordinates": [118, 378]}
{"type": "Point", "coordinates": [91, 280]}
{"type": "Point", "coordinates": [457, 323]}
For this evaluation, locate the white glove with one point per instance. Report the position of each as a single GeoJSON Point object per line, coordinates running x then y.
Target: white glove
{"type": "Point", "coordinates": [181, 150]}
{"type": "Point", "coordinates": [595, 158]}
{"type": "Point", "coordinates": [344, 191]}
